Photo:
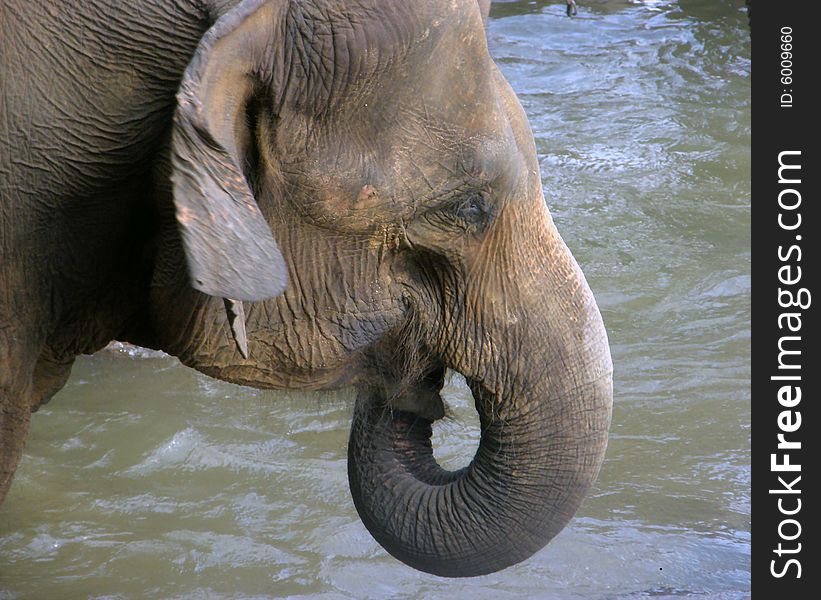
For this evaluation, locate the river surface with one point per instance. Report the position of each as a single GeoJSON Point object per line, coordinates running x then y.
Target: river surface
{"type": "Point", "coordinates": [145, 479]}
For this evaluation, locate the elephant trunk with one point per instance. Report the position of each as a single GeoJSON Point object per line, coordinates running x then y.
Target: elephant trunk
{"type": "Point", "coordinates": [544, 408]}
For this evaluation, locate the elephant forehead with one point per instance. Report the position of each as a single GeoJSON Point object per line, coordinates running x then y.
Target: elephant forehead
{"type": "Point", "coordinates": [402, 136]}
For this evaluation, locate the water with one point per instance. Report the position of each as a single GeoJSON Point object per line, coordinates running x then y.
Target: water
{"type": "Point", "coordinates": [145, 479]}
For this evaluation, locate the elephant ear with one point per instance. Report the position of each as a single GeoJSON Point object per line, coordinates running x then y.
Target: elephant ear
{"type": "Point", "coordinates": [230, 250]}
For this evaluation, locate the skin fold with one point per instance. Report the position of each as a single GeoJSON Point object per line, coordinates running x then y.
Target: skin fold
{"type": "Point", "coordinates": [357, 184]}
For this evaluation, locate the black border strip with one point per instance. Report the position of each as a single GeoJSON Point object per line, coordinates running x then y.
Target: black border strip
{"type": "Point", "coordinates": [785, 263]}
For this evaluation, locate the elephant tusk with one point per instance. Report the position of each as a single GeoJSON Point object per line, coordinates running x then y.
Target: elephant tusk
{"type": "Point", "coordinates": [236, 319]}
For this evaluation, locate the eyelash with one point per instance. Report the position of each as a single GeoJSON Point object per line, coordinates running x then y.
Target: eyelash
{"type": "Point", "coordinates": [471, 209]}
{"type": "Point", "coordinates": [470, 213]}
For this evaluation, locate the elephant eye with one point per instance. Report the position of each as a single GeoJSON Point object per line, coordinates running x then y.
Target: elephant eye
{"type": "Point", "coordinates": [473, 210]}
{"type": "Point", "coordinates": [470, 212]}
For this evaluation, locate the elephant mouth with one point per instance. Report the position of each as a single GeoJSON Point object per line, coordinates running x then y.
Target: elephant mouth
{"type": "Point", "coordinates": [422, 399]}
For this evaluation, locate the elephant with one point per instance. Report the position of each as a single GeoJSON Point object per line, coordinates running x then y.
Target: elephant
{"type": "Point", "coordinates": [306, 194]}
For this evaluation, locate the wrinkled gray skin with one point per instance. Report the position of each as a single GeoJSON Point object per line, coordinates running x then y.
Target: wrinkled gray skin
{"type": "Point", "coordinates": [358, 173]}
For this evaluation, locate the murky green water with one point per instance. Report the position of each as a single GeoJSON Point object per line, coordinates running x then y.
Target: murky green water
{"type": "Point", "coordinates": [145, 479]}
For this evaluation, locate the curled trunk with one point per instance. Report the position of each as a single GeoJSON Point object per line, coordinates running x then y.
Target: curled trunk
{"type": "Point", "coordinates": [536, 459]}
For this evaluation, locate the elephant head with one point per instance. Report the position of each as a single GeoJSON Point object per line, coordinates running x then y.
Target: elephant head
{"type": "Point", "coordinates": [380, 146]}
